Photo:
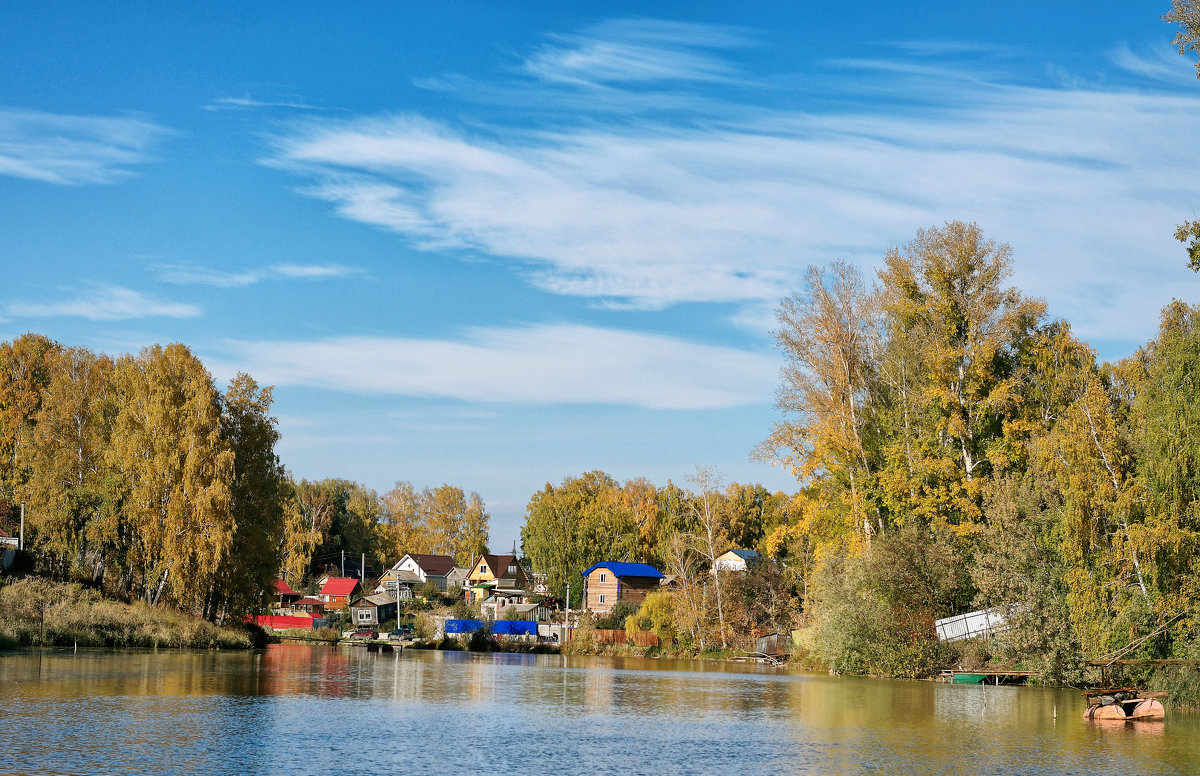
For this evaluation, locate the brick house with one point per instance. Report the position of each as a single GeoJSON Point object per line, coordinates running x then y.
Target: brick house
{"type": "Point", "coordinates": [607, 583]}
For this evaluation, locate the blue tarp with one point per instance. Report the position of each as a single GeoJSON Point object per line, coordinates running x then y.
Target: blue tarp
{"type": "Point", "coordinates": [514, 628]}
{"type": "Point", "coordinates": [500, 627]}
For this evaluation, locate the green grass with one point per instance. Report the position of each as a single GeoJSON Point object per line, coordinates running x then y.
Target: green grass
{"type": "Point", "coordinates": [40, 613]}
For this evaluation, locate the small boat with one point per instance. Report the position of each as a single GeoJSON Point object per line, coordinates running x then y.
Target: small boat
{"type": "Point", "coordinates": [1126, 704]}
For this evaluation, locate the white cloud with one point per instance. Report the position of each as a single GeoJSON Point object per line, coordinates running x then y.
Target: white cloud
{"type": "Point", "coordinates": [730, 204]}
{"type": "Point", "coordinates": [64, 149]}
{"type": "Point", "coordinates": [105, 303]}
{"type": "Point", "coordinates": [1161, 63]}
{"type": "Point", "coordinates": [190, 274]}
{"type": "Point", "coordinates": [249, 103]}
{"type": "Point", "coordinates": [565, 364]}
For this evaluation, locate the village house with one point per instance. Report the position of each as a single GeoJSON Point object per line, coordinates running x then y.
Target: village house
{"type": "Point", "coordinates": [608, 583]}
{"type": "Point", "coordinates": [428, 568]}
{"type": "Point", "coordinates": [398, 584]}
{"type": "Point", "coordinates": [734, 560]}
{"type": "Point", "coordinates": [496, 572]}
{"type": "Point", "coordinates": [309, 605]}
{"type": "Point", "coordinates": [337, 591]}
{"type": "Point", "coordinates": [285, 596]}
{"type": "Point", "coordinates": [373, 611]}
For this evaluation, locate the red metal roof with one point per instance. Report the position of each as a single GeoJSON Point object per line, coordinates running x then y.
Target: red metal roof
{"type": "Point", "coordinates": [282, 587]}
{"type": "Point", "coordinates": [339, 586]}
{"type": "Point", "coordinates": [309, 601]}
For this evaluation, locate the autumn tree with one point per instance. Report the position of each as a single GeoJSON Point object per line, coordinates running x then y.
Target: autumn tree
{"type": "Point", "coordinates": [68, 478]}
{"type": "Point", "coordinates": [308, 515]}
{"type": "Point", "coordinates": [828, 336]}
{"type": "Point", "coordinates": [24, 375]}
{"type": "Point", "coordinates": [441, 521]}
{"type": "Point", "coordinates": [176, 471]}
{"type": "Point", "coordinates": [945, 295]}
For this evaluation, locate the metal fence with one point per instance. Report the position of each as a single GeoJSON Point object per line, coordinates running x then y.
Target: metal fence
{"type": "Point", "coordinates": [971, 625]}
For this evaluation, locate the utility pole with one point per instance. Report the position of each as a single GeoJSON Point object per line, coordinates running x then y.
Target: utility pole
{"type": "Point", "coordinates": [21, 540]}
{"type": "Point", "coordinates": [567, 617]}
{"type": "Point", "coordinates": [343, 563]}
{"type": "Point", "coordinates": [362, 569]}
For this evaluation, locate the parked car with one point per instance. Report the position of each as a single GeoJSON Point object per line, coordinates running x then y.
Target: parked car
{"type": "Point", "coordinates": [402, 633]}
{"type": "Point", "coordinates": [365, 634]}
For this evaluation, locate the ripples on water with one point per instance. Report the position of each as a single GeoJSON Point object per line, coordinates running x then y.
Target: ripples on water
{"type": "Point", "coordinates": [299, 709]}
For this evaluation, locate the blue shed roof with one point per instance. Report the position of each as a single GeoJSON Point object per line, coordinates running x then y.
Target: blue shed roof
{"type": "Point", "coordinates": [627, 569]}
{"type": "Point", "coordinates": [745, 554]}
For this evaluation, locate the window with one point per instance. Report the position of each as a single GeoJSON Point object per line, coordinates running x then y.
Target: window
{"type": "Point", "coordinates": [364, 615]}
{"type": "Point", "coordinates": [601, 577]}
{"type": "Point", "coordinates": [602, 598]}
{"type": "Point", "coordinates": [512, 569]}
{"type": "Point", "coordinates": [482, 568]}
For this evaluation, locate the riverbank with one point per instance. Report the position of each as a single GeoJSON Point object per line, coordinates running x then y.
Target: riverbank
{"type": "Point", "coordinates": [37, 612]}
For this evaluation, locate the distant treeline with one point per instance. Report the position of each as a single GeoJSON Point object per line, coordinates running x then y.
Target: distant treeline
{"type": "Point", "coordinates": [142, 479]}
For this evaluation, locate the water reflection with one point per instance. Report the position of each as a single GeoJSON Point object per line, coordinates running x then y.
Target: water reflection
{"type": "Point", "coordinates": [309, 708]}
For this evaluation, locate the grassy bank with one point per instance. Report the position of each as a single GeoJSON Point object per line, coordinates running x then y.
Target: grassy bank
{"type": "Point", "coordinates": [36, 612]}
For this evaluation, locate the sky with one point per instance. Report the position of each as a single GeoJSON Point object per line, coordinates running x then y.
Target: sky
{"type": "Point", "coordinates": [497, 244]}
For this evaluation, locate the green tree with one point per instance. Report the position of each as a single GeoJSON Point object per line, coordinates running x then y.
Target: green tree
{"type": "Point", "coordinates": [257, 499]}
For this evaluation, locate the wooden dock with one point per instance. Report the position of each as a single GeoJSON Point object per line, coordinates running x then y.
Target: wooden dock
{"type": "Point", "coordinates": [986, 676]}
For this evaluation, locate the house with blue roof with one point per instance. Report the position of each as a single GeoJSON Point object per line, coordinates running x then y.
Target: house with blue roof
{"type": "Point", "coordinates": [735, 560]}
{"type": "Point", "coordinates": [609, 582]}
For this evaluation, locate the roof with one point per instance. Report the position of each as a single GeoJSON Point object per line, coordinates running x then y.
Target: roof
{"type": "Point", "coordinates": [280, 587]}
{"type": "Point", "coordinates": [620, 570]}
{"type": "Point", "coordinates": [743, 554]}
{"type": "Point", "coordinates": [309, 601]}
{"type": "Point", "coordinates": [406, 576]}
{"type": "Point", "coordinates": [499, 563]}
{"type": "Point", "coordinates": [339, 586]}
{"type": "Point", "coordinates": [437, 565]}
{"type": "Point", "coordinates": [374, 600]}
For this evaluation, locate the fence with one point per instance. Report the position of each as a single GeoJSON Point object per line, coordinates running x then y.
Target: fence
{"type": "Point", "coordinates": [971, 625]}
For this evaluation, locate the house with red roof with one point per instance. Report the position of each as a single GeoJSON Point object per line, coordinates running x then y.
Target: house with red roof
{"type": "Point", "coordinates": [336, 592]}
{"type": "Point", "coordinates": [285, 595]}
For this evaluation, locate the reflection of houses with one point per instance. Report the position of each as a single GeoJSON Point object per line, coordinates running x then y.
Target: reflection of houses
{"type": "Point", "coordinates": [608, 583]}
{"type": "Point", "coordinates": [428, 568]}
{"type": "Point", "coordinates": [735, 560]}
{"type": "Point", "coordinates": [336, 591]}
{"type": "Point", "coordinates": [9, 541]}
{"type": "Point", "coordinates": [373, 610]}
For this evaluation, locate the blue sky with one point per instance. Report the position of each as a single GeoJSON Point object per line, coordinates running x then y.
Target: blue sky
{"type": "Point", "coordinates": [497, 244]}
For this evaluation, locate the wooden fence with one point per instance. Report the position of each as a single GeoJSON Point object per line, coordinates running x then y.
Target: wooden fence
{"type": "Point", "coordinates": [615, 636]}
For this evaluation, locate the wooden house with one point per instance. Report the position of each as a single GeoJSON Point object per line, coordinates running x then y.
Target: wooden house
{"type": "Point", "coordinates": [735, 560]}
{"type": "Point", "coordinates": [398, 584]}
{"type": "Point", "coordinates": [456, 578]}
{"type": "Point", "coordinates": [373, 611]}
{"type": "Point", "coordinates": [309, 604]}
{"type": "Point", "coordinates": [337, 591]}
{"type": "Point", "coordinates": [503, 570]}
{"type": "Point", "coordinates": [285, 596]}
{"type": "Point", "coordinates": [608, 583]}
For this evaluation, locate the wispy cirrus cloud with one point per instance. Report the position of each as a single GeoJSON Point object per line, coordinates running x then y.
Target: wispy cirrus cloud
{"type": "Point", "coordinates": [1161, 63]}
{"type": "Point", "coordinates": [249, 103]}
{"type": "Point", "coordinates": [556, 364]}
{"type": "Point", "coordinates": [197, 275]}
{"type": "Point", "coordinates": [730, 203]}
{"type": "Point", "coordinates": [104, 303]}
{"type": "Point", "coordinates": [75, 150]}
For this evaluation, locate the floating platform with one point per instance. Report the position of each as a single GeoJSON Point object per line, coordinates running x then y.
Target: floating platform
{"type": "Point", "coordinates": [986, 677]}
{"type": "Point", "coordinates": [1124, 704]}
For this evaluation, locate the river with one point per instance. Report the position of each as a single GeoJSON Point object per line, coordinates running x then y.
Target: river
{"type": "Point", "coordinates": [299, 709]}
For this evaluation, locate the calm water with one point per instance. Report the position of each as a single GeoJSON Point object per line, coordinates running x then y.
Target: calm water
{"type": "Point", "coordinates": [300, 709]}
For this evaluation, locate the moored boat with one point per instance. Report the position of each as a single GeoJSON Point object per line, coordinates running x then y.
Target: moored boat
{"type": "Point", "coordinates": [1126, 704]}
